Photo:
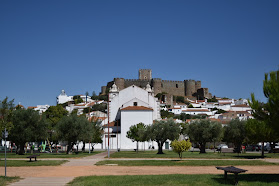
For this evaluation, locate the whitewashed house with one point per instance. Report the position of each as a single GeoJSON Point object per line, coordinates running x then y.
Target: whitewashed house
{"type": "Point", "coordinates": [128, 107]}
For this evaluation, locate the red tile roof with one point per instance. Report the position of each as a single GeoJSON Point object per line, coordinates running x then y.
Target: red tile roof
{"type": "Point", "coordinates": [136, 108]}
{"type": "Point", "coordinates": [243, 105]}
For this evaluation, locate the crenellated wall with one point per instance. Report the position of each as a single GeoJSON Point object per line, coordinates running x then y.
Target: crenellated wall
{"type": "Point", "coordinates": [187, 88]}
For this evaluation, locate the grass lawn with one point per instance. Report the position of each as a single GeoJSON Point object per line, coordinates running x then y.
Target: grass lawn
{"type": "Point", "coordinates": [185, 162]}
{"type": "Point", "coordinates": [208, 155]}
{"type": "Point", "coordinates": [5, 180]}
{"type": "Point", "coordinates": [51, 155]}
{"type": "Point", "coordinates": [178, 179]}
{"type": "Point", "coordinates": [23, 163]}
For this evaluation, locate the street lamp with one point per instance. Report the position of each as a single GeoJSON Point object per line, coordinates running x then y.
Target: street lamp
{"type": "Point", "coordinates": [5, 136]}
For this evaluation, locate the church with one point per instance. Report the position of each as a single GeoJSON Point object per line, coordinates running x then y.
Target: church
{"type": "Point", "coordinates": [128, 107]}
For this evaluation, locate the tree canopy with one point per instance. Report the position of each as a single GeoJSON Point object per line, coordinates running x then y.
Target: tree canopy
{"type": "Point", "coordinates": [203, 131]}
{"type": "Point", "coordinates": [268, 112]}
{"type": "Point", "coordinates": [161, 131]}
{"type": "Point", "coordinates": [6, 108]}
{"type": "Point", "coordinates": [180, 146]}
{"type": "Point", "coordinates": [71, 129]}
{"type": "Point", "coordinates": [28, 126]}
{"type": "Point", "coordinates": [137, 133]}
{"type": "Point", "coordinates": [235, 133]}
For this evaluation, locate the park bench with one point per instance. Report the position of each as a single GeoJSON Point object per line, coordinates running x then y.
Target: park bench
{"type": "Point", "coordinates": [231, 169]}
{"type": "Point", "coordinates": [33, 156]}
{"type": "Point", "coordinates": [226, 150]}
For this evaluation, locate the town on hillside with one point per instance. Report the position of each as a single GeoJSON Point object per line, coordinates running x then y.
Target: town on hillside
{"type": "Point", "coordinates": [124, 103]}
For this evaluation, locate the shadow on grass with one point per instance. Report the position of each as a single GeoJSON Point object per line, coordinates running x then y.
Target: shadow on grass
{"type": "Point", "coordinates": [259, 178]}
{"type": "Point", "coordinates": [250, 157]}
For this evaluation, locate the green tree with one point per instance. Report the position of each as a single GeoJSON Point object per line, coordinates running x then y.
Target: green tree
{"type": "Point", "coordinates": [137, 133]}
{"type": "Point", "coordinates": [166, 114]}
{"type": "Point", "coordinates": [268, 112]}
{"type": "Point", "coordinates": [71, 128]}
{"type": "Point", "coordinates": [53, 115]}
{"type": "Point", "coordinates": [28, 126]}
{"type": "Point", "coordinates": [161, 131]}
{"type": "Point", "coordinates": [203, 131]}
{"type": "Point", "coordinates": [216, 132]}
{"type": "Point", "coordinates": [258, 131]}
{"type": "Point", "coordinates": [190, 106]}
{"type": "Point", "coordinates": [180, 146]}
{"type": "Point", "coordinates": [180, 99]}
{"type": "Point", "coordinates": [235, 133]}
{"type": "Point", "coordinates": [77, 99]}
{"type": "Point", "coordinates": [100, 107]}
{"type": "Point", "coordinates": [97, 133]}
{"type": "Point", "coordinates": [6, 108]}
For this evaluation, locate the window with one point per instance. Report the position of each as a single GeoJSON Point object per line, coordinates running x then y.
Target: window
{"type": "Point", "coordinates": [176, 85]}
{"type": "Point", "coordinates": [135, 103]}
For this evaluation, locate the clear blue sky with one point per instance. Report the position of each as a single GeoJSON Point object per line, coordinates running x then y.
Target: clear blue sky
{"type": "Point", "coordinates": [78, 46]}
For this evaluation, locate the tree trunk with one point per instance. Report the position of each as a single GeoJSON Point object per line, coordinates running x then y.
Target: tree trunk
{"type": "Point", "coordinates": [202, 148]}
{"type": "Point", "coordinates": [69, 147]}
{"type": "Point", "coordinates": [83, 146]}
{"type": "Point", "coordinates": [214, 147]}
{"type": "Point", "coordinates": [21, 149]}
{"type": "Point", "coordinates": [160, 148]}
{"type": "Point", "coordinates": [262, 149]}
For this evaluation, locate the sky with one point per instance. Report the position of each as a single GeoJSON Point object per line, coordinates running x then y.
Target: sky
{"type": "Point", "coordinates": [79, 46]}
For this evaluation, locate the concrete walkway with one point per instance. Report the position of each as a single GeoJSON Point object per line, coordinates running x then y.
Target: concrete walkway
{"type": "Point", "coordinates": [59, 180]}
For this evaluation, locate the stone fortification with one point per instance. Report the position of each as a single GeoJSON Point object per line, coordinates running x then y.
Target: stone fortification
{"type": "Point", "coordinates": [187, 88]}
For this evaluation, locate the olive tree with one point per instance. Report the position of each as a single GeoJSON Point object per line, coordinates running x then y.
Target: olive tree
{"type": "Point", "coordinates": [161, 131]}
{"type": "Point", "coordinates": [28, 126]}
{"type": "Point", "coordinates": [137, 133]}
{"type": "Point", "coordinates": [202, 131]}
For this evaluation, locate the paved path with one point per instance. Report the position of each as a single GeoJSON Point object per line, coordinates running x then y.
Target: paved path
{"type": "Point", "coordinates": [61, 175]}
{"type": "Point", "coordinates": [50, 175]}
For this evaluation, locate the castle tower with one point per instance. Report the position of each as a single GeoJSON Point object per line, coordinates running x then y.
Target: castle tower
{"type": "Point", "coordinates": [157, 85]}
{"type": "Point", "coordinates": [120, 83]}
{"type": "Point", "coordinates": [190, 87]}
{"type": "Point", "coordinates": [145, 74]}
{"type": "Point", "coordinates": [197, 85]}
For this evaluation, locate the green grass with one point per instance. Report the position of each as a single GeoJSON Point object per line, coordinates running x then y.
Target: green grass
{"type": "Point", "coordinates": [51, 155]}
{"type": "Point", "coordinates": [23, 163]}
{"type": "Point", "coordinates": [5, 180]}
{"type": "Point", "coordinates": [185, 162]}
{"type": "Point", "coordinates": [208, 155]}
{"type": "Point", "coordinates": [178, 179]}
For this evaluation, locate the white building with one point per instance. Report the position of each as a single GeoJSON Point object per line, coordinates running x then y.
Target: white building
{"type": "Point", "coordinates": [128, 107]}
{"type": "Point", "coordinates": [40, 108]}
{"type": "Point", "coordinates": [63, 98]}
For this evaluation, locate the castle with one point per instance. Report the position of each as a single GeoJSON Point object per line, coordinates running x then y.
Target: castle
{"type": "Point", "coordinates": [188, 88]}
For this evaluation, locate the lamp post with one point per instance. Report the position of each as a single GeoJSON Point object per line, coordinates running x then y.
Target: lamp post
{"type": "Point", "coordinates": [5, 136]}
{"type": "Point", "coordinates": [108, 124]}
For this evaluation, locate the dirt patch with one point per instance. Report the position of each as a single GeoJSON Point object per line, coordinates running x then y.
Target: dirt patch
{"type": "Point", "coordinates": [62, 171]}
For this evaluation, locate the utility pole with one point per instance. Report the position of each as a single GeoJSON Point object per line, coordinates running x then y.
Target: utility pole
{"type": "Point", "coordinates": [108, 124]}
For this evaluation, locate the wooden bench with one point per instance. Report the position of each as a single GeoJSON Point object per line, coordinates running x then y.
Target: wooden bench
{"type": "Point", "coordinates": [33, 156]}
{"type": "Point", "coordinates": [231, 169]}
{"type": "Point", "coordinates": [226, 150]}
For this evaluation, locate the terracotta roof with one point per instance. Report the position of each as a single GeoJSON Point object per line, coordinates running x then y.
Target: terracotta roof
{"type": "Point", "coordinates": [136, 108]}
{"type": "Point", "coordinates": [111, 124]}
{"type": "Point", "coordinates": [31, 107]}
{"type": "Point", "coordinates": [94, 118]}
{"type": "Point", "coordinates": [196, 110]}
{"type": "Point", "coordinates": [242, 105]}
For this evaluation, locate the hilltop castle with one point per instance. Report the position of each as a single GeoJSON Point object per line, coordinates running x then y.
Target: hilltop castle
{"type": "Point", "coordinates": [188, 88]}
